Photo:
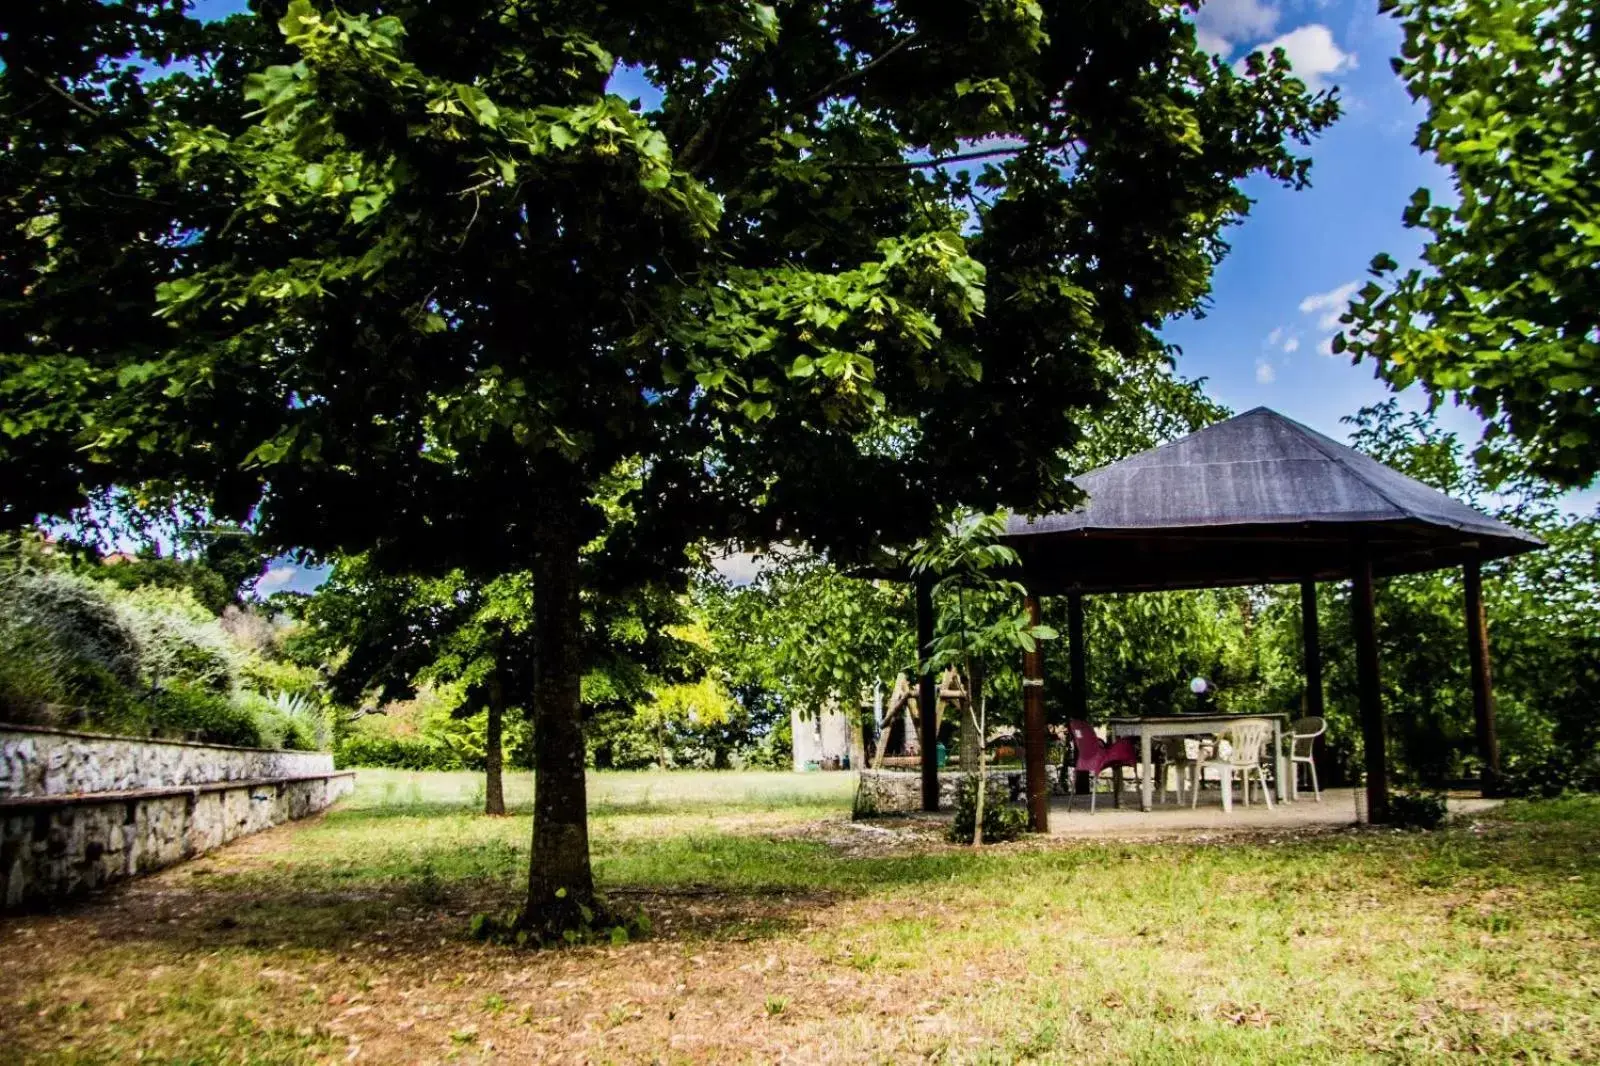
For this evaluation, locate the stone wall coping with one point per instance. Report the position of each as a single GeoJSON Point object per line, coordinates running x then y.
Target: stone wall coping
{"type": "Point", "coordinates": [52, 731]}
{"type": "Point", "coordinates": [93, 799]}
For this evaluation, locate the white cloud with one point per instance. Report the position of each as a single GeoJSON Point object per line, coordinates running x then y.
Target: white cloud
{"type": "Point", "coordinates": [276, 578]}
{"type": "Point", "coordinates": [1325, 347]}
{"type": "Point", "coordinates": [1331, 303]}
{"type": "Point", "coordinates": [1283, 339]}
{"type": "Point", "coordinates": [1222, 25]}
{"type": "Point", "coordinates": [1313, 54]}
{"type": "Point", "coordinates": [1210, 42]}
{"type": "Point", "coordinates": [1265, 375]}
{"type": "Point", "coordinates": [739, 568]}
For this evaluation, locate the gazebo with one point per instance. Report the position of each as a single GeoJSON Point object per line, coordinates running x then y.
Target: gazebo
{"type": "Point", "coordinates": [1257, 499]}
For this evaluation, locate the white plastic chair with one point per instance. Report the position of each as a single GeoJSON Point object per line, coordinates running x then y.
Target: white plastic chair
{"type": "Point", "coordinates": [1240, 756]}
{"type": "Point", "coordinates": [1302, 741]}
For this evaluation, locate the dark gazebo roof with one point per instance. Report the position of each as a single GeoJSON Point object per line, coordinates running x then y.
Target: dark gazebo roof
{"type": "Point", "coordinates": [1258, 499]}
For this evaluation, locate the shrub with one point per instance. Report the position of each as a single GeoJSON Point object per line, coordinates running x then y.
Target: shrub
{"type": "Point", "coordinates": [264, 674]}
{"type": "Point", "coordinates": [251, 628]}
{"type": "Point", "coordinates": [1548, 771]}
{"type": "Point", "coordinates": [1417, 810]}
{"type": "Point", "coordinates": [286, 721]}
{"type": "Point", "coordinates": [78, 650]}
{"type": "Point", "coordinates": [307, 720]}
{"type": "Point", "coordinates": [1002, 820]}
{"type": "Point", "coordinates": [768, 755]}
{"type": "Point", "coordinates": [394, 753]}
{"type": "Point", "coordinates": [177, 639]}
{"type": "Point", "coordinates": [200, 714]}
{"type": "Point", "coordinates": [70, 621]}
{"type": "Point", "coordinates": [33, 673]}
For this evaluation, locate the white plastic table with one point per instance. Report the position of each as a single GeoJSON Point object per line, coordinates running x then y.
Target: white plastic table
{"type": "Point", "coordinates": [1188, 725]}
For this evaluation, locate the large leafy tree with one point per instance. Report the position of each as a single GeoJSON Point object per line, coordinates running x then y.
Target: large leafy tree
{"type": "Point", "coordinates": [1504, 313]}
{"type": "Point", "coordinates": [433, 280]}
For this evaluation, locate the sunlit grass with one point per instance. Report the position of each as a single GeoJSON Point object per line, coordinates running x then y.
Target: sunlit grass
{"type": "Point", "coordinates": [1469, 944]}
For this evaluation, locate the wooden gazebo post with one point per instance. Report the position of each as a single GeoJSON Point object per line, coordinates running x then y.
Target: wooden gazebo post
{"type": "Point", "coordinates": [927, 698]}
{"type": "Point", "coordinates": [1079, 694]}
{"type": "Point", "coordinates": [1311, 642]}
{"type": "Point", "coordinates": [1080, 679]}
{"type": "Point", "coordinates": [1035, 736]}
{"type": "Point", "coordinates": [1482, 681]}
{"type": "Point", "coordinates": [1365, 619]}
{"type": "Point", "coordinates": [1311, 637]}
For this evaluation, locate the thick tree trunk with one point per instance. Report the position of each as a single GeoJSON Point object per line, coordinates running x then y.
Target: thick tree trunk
{"type": "Point", "coordinates": [560, 883]}
{"type": "Point", "coordinates": [494, 797]}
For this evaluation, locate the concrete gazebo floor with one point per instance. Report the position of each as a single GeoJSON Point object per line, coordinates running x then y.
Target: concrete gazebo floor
{"type": "Point", "coordinates": [1340, 807]}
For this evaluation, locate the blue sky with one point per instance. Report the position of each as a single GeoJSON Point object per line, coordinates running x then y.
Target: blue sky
{"type": "Point", "coordinates": [1298, 257]}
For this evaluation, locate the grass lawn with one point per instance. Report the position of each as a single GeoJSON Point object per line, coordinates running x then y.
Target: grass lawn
{"type": "Point", "coordinates": [781, 931]}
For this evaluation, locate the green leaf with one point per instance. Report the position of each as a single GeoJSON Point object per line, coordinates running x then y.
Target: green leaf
{"type": "Point", "coordinates": [135, 373]}
{"type": "Point", "coordinates": [171, 295]}
{"type": "Point", "coordinates": [765, 17]}
{"type": "Point", "coordinates": [479, 105]}
{"type": "Point", "coordinates": [299, 18]}
{"type": "Point", "coordinates": [366, 205]}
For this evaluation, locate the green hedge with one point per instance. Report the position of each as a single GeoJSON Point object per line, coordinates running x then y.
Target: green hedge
{"type": "Point", "coordinates": [394, 753]}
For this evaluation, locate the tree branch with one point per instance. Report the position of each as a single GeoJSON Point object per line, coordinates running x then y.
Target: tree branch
{"type": "Point", "coordinates": [845, 79]}
{"type": "Point", "coordinates": [131, 141]}
{"type": "Point", "coordinates": [916, 164]}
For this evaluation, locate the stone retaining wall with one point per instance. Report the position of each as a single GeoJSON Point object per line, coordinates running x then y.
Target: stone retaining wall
{"type": "Point", "coordinates": [900, 791]}
{"type": "Point", "coordinates": [79, 811]}
{"type": "Point", "coordinates": [59, 762]}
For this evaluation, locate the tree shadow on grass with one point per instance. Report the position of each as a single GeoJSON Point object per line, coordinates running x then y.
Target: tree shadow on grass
{"type": "Point", "coordinates": [333, 886]}
{"type": "Point", "coordinates": [402, 896]}
{"type": "Point", "coordinates": [406, 918]}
